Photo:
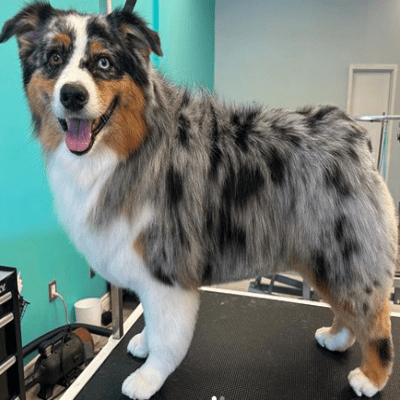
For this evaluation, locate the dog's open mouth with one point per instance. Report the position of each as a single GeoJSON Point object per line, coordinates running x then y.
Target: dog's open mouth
{"type": "Point", "coordinates": [80, 134]}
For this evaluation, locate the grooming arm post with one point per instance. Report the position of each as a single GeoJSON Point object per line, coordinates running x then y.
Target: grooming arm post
{"type": "Point", "coordinates": [116, 310]}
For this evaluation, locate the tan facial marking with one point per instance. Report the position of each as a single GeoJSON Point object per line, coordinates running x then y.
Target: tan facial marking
{"type": "Point", "coordinates": [64, 39]}
{"type": "Point", "coordinates": [97, 47]}
{"type": "Point", "coordinates": [127, 128]}
{"type": "Point", "coordinates": [39, 92]}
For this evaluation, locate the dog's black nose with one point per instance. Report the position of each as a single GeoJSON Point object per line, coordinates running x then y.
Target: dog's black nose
{"type": "Point", "coordinates": [74, 96]}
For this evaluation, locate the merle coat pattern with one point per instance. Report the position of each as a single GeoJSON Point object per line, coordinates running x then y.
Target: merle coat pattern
{"type": "Point", "coordinates": [205, 192]}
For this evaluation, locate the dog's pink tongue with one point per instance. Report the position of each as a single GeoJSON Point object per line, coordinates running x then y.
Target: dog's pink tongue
{"type": "Point", "coordinates": [78, 134]}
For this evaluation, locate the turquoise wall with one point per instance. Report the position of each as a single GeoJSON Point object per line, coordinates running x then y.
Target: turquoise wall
{"type": "Point", "coordinates": [187, 36]}
{"type": "Point", "coordinates": [31, 238]}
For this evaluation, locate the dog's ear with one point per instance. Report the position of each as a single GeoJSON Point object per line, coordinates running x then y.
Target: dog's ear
{"type": "Point", "coordinates": [135, 31]}
{"type": "Point", "coordinates": [26, 25]}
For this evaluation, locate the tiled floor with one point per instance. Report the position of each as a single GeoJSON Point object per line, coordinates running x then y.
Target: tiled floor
{"type": "Point", "coordinates": [129, 306]}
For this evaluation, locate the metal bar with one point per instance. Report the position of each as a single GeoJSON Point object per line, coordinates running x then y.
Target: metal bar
{"type": "Point", "coordinates": [7, 319]}
{"type": "Point", "coordinates": [5, 298]}
{"type": "Point", "coordinates": [116, 310]}
{"type": "Point", "coordinates": [7, 365]}
{"type": "Point", "coordinates": [377, 118]}
{"type": "Point", "coordinates": [306, 291]}
{"type": "Point", "coordinates": [265, 288]}
{"type": "Point", "coordinates": [288, 281]}
{"type": "Point", "coordinates": [381, 143]}
{"type": "Point", "coordinates": [396, 296]}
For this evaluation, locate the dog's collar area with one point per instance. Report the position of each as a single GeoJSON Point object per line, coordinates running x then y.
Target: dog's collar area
{"type": "Point", "coordinates": [78, 142]}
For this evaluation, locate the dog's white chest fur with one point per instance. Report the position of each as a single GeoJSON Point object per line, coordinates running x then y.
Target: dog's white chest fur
{"type": "Point", "coordinates": [76, 183]}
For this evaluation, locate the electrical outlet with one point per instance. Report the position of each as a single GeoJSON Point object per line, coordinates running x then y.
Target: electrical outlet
{"type": "Point", "coordinates": [52, 290]}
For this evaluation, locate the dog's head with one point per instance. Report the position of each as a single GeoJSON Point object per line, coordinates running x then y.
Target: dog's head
{"type": "Point", "coordinates": [84, 75]}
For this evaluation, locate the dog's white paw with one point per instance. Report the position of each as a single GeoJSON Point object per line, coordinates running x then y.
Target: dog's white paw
{"type": "Point", "coordinates": [142, 385]}
{"type": "Point", "coordinates": [340, 341]}
{"type": "Point", "coordinates": [138, 347]}
{"type": "Point", "coordinates": [361, 384]}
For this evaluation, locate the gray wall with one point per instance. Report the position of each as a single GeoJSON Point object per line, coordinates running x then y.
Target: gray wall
{"type": "Point", "coordinates": [287, 53]}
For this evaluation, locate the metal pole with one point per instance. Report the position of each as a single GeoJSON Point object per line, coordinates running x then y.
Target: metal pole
{"type": "Point", "coordinates": [109, 6]}
{"type": "Point", "coordinates": [381, 143]}
{"type": "Point", "coordinates": [117, 314]}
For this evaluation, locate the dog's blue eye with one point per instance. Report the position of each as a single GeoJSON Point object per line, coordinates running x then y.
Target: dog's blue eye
{"type": "Point", "coordinates": [104, 63]}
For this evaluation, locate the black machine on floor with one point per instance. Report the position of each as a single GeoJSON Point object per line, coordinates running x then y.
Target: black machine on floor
{"type": "Point", "coordinates": [59, 360]}
{"type": "Point", "coordinates": [11, 363]}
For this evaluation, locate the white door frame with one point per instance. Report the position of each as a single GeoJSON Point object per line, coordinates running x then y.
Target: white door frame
{"type": "Point", "coordinates": [392, 69]}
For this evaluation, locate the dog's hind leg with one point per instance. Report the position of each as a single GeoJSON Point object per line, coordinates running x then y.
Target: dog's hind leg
{"type": "Point", "coordinates": [369, 323]}
{"type": "Point", "coordinates": [170, 315]}
{"type": "Point", "coordinates": [376, 341]}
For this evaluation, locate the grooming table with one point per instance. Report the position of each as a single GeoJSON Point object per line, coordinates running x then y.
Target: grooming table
{"type": "Point", "coordinates": [245, 347]}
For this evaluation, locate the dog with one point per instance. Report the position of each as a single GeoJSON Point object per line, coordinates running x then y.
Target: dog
{"type": "Point", "coordinates": [164, 190]}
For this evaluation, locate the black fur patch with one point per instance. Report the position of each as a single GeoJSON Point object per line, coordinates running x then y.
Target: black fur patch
{"type": "Point", "coordinates": [384, 349]}
{"type": "Point", "coordinates": [215, 152]}
{"type": "Point", "coordinates": [368, 290]}
{"type": "Point", "coordinates": [174, 187]}
{"type": "Point", "coordinates": [44, 12]}
{"type": "Point", "coordinates": [132, 66]}
{"type": "Point", "coordinates": [166, 280]}
{"type": "Point", "coordinates": [353, 155]}
{"type": "Point", "coordinates": [339, 227]}
{"type": "Point", "coordinates": [369, 143]}
{"type": "Point", "coordinates": [230, 234]}
{"type": "Point", "coordinates": [324, 111]}
{"type": "Point", "coordinates": [27, 72]}
{"type": "Point", "coordinates": [207, 274]}
{"type": "Point", "coordinates": [351, 139]}
{"type": "Point", "coordinates": [335, 179]}
{"type": "Point", "coordinates": [365, 308]}
{"type": "Point", "coordinates": [243, 128]}
{"type": "Point", "coordinates": [97, 30]}
{"type": "Point", "coordinates": [183, 130]}
{"type": "Point", "coordinates": [350, 247]}
{"type": "Point", "coordinates": [321, 267]}
{"type": "Point", "coordinates": [240, 187]}
{"type": "Point", "coordinates": [183, 238]}
{"type": "Point", "coordinates": [306, 110]}
{"type": "Point", "coordinates": [185, 99]}
{"type": "Point", "coordinates": [293, 139]}
{"type": "Point", "coordinates": [276, 165]}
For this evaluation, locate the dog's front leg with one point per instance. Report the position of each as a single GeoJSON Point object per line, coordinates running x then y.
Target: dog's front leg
{"type": "Point", "coordinates": [170, 316]}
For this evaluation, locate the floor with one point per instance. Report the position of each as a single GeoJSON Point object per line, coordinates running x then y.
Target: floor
{"type": "Point", "coordinates": [129, 305]}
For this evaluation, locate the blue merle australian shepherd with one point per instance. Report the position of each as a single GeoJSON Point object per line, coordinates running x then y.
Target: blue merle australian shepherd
{"type": "Point", "coordinates": [164, 191]}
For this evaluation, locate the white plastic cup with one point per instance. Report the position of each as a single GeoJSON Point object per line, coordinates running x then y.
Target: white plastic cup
{"type": "Point", "coordinates": [88, 311]}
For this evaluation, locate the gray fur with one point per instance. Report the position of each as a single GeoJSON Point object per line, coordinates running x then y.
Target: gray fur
{"type": "Point", "coordinates": [241, 192]}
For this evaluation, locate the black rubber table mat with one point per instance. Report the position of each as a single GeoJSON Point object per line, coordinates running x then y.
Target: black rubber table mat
{"type": "Point", "coordinates": [247, 348]}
